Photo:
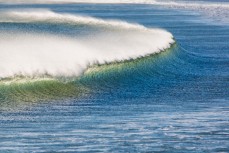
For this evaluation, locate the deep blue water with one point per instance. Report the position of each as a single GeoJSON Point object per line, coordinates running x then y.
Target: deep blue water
{"type": "Point", "coordinates": [177, 102]}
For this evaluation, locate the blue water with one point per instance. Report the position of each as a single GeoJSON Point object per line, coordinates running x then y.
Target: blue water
{"type": "Point", "coordinates": [174, 102]}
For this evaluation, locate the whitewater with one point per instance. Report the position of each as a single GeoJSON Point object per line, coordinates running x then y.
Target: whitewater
{"type": "Point", "coordinates": [33, 54]}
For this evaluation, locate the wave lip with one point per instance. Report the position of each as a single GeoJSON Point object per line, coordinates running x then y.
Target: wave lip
{"type": "Point", "coordinates": [34, 54]}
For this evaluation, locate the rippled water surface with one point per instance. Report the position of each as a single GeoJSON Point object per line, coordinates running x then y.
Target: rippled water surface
{"type": "Point", "coordinates": [175, 101]}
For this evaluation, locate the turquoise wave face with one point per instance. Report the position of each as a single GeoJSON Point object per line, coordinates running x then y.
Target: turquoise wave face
{"type": "Point", "coordinates": [29, 90]}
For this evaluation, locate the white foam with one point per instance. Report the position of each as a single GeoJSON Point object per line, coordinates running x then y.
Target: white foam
{"type": "Point", "coordinates": [52, 17]}
{"type": "Point", "coordinates": [214, 11]}
{"type": "Point", "coordinates": [36, 54]}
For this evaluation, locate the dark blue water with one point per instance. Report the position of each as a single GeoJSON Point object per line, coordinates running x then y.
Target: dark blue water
{"type": "Point", "coordinates": [173, 102]}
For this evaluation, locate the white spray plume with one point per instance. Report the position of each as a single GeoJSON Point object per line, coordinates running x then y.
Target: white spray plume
{"type": "Point", "coordinates": [36, 54]}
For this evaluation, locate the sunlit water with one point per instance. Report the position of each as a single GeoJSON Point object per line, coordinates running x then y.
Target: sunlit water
{"type": "Point", "coordinates": [176, 101]}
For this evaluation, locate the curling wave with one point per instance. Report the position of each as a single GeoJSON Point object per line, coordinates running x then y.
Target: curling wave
{"type": "Point", "coordinates": [34, 54]}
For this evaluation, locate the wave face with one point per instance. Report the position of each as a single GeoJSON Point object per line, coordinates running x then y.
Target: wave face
{"type": "Point", "coordinates": [34, 54]}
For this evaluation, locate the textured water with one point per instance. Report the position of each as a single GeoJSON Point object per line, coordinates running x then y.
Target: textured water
{"type": "Point", "coordinates": [175, 101]}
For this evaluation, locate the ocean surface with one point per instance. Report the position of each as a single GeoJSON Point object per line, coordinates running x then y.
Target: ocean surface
{"type": "Point", "coordinates": [133, 77]}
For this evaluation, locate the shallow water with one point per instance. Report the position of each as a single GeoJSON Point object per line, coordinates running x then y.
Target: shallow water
{"type": "Point", "coordinates": [175, 101]}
